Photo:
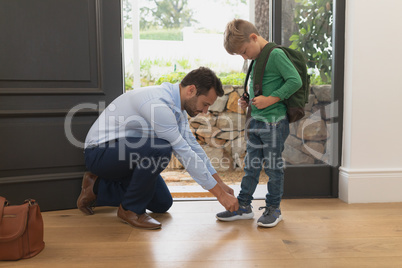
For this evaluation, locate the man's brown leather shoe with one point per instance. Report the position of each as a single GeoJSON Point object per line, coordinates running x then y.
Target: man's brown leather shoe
{"type": "Point", "coordinates": [143, 221]}
{"type": "Point", "coordinates": [87, 198]}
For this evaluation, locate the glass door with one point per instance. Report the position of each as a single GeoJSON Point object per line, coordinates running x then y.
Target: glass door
{"type": "Point", "coordinates": [312, 150]}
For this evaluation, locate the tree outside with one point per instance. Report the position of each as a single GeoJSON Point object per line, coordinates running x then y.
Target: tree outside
{"type": "Point", "coordinates": [166, 14]}
{"type": "Point", "coordinates": [312, 34]}
{"type": "Point", "coordinates": [262, 18]}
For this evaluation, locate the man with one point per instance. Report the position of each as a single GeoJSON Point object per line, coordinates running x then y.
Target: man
{"type": "Point", "coordinates": [131, 143]}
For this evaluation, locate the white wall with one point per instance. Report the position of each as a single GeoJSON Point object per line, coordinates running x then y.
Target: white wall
{"type": "Point", "coordinates": [371, 169]}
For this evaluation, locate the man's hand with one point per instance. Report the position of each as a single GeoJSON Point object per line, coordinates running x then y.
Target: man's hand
{"type": "Point", "coordinates": [262, 102]}
{"type": "Point", "coordinates": [227, 188]}
{"type": "Point", "coordinates": [222, 184]}
{"type": "Point", "coordinates": [228, 201]}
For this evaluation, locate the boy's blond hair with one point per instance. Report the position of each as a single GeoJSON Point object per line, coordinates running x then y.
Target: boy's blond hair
{"type": "Point", "coordinates": [236, 34]}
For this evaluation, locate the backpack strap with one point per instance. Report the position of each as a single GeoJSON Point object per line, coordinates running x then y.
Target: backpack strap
{"type": "Point", "coordinates": [259, 68]}
{"type": "Point", "coordinates": [258, 75]}
{"type": "Point", "coordinates": [245, 95]}
{"type": "Point", "coordinates": [248, 75]}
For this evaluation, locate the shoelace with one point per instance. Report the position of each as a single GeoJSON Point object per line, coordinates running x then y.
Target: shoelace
{"type": "Point", "coordinates": [244, 208]}
{"type": "Point", "coordinates": [268, 210]}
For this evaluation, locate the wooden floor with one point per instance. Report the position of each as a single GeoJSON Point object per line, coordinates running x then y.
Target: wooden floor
{"type": "Point", "coordinates": [314, 233]}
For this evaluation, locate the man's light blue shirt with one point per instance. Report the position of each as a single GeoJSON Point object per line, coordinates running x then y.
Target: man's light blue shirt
{"type": "Point", "coordinates": [154, 112]}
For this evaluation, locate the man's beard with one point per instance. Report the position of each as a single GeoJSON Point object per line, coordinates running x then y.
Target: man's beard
{"type": "Point", "coordinates": [190, 106]}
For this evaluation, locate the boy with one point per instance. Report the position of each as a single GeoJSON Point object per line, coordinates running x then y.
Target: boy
{"type": "Point", "coordinates": [268, 126]}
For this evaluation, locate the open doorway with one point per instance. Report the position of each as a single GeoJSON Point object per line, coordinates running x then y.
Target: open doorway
{"type": "Point", "coordinates": [166, 40]}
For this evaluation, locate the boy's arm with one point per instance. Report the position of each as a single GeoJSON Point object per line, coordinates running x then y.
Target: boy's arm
{"type": "Point", "coordinates": [262, 102]}
{"type": "Point", "coordinates": [289, 73]}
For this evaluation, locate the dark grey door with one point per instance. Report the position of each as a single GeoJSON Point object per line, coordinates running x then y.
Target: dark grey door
{"type": "Point", "coordinates": [60, 64]}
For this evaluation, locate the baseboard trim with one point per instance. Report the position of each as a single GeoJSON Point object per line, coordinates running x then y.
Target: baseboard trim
{"type": "Point", "coordinates": [370, 185]}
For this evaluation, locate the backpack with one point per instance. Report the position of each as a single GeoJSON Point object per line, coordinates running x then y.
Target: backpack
{"type": "Point", "coordinates": [296, 102]}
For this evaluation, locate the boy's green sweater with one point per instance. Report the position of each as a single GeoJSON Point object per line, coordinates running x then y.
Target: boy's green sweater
{"type": "Point", "coordinates": [281, 79]}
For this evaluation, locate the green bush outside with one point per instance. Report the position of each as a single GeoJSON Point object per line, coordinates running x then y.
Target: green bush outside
{"type": "Point", "coordinates": [173, 78]}
{"type": "Point", "coordinates": [234, 79]}
{"type": "Point", "coordinates": [316, 79]}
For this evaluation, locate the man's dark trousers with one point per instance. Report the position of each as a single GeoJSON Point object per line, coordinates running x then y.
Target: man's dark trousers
{"type": "Point", "coordinates": [128, 171]}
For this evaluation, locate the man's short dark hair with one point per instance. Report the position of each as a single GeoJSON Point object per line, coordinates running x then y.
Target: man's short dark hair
{"type": "Point", "coordinates": [203, 79]}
